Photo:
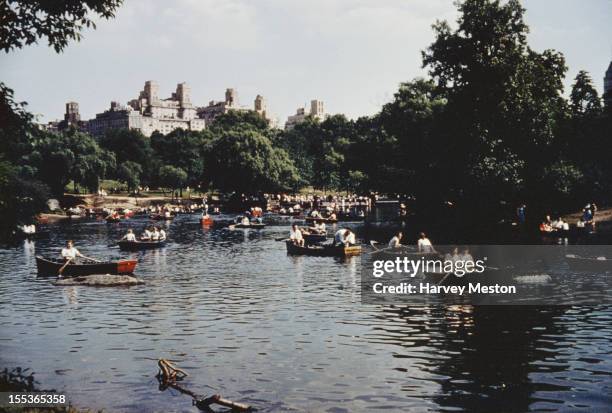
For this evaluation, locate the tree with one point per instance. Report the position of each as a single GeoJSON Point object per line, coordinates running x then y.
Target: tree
{"type": "Point", "coordinates": [182, 149]}
{"type": "Point", "coordinates": [130, 172]}
{"type": "Point", "coordinates": [71, 155]}
{"type": "Point", "coordinates": [172, 178]}
{"type": "Point", "coordinates": [245, 161]}
{"type": "Point", "coordinates": [131, 145]}
{"type": "Point", "coordinates": [236, 119]}
{"type": "Point", "coordinates": [504, 102]}
{"type": "Point", "coordinates": [26, 21]}
{"type": "Point", "coordinates": [584, 99]}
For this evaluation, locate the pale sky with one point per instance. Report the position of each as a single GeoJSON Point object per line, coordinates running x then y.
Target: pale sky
{"type": "Point", "coordinates": [352, 54]}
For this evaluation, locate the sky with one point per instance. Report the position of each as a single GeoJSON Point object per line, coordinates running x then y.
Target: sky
{"type": "Point", "coordinates": [352, 54]}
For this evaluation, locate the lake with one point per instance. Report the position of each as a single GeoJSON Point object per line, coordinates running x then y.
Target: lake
{"type": "Point", "coordinates": [284, 333]}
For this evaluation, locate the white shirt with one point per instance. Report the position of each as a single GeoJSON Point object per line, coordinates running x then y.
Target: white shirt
{"type": "Point", "coordinates": [155, 235]}
{"type": "Point", "coordinates": [395, 242]}
{"type": "Point", "coordinates": [71, 252]}
{"type": "Point", "coordinates": [130, 236]}
{"type": "Point", "coordinates": [424, 245]}
{"type": "Point", "coordinates": [162, 235]}
{"type": "Point", "coordinates": [295, 235]}
{"type": "Point", "coordinates": [320, 227]}
{"type": "Point", "coordinates": [351, 239]}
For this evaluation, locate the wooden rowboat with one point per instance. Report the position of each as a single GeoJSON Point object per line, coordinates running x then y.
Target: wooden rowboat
{"type": "Point", "coordinates": [323, 250]}
{"type": "Point", "coordinates": [51, 268]}
{"type": "Point", "coordinates": [140, 245]}
{"type": "Point", "coordinates": [599, 264]}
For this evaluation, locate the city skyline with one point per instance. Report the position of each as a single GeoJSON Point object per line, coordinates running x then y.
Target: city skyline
{"type": "Point", "coordinates": [350, 54]}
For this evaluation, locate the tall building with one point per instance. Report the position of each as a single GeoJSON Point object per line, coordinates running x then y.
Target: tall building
{"type": "Point", "coordinates": [317, 111]}
{"type": "Point", "coordinates": [148, 113]}
{"type": "Point", "coordinates": [608, 87]}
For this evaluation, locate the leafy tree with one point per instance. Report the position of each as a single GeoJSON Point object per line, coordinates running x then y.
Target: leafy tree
{"type": "Point", "coordinates": [245, 161]}
{"type": "Point", "coordinates": [237, 119]}
{"type": "Point", "coordinates": [130, 145]}
{"type": "Point", "coordinates": [70, 156]}
{"type": "Point", "coordinates": [584, 99]}
{"type": "Point", "coordinates": [172, 178]}
{"type": "Point", "coordinates": [504, 101]}
{"type": "Point", "coordinates": [26, 21]}
{"type": "Point", "coordinates": [130, 172]}
{"type": "Point", "coordinates": [182, 149]}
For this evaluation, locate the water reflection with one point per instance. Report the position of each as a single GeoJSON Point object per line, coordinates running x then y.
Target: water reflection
{"type": "Point", "coordinates": [285, 333]}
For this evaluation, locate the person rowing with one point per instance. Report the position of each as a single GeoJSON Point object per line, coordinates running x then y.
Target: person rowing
{"type": "Point", "coordinates": [155, 234]}
{"type": "Point", "coordinates": [162, 235]}
{"type": "Point", "coordinates": [395, 242]}
{"type": "Point", "coordinates": [424, 244]}
{"type": "Point", "coordinates": [296, 235]}
{"type": "Point", "coordinates": [70, 253]}
{"type": "Point", "coordinates": [130, 236]}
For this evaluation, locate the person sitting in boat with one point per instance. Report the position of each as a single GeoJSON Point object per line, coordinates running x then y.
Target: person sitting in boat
{"type": "Point", "coordinates": [332, 216]}
{"type": "Point", "coordinates": [315, 213]}
{"type": "Point", "coordinates": [167, 214]}
{"type": "Point", "coordinates": [146, 235]}
{"type": "Point", "coordinates": [320, 227]}
{"type": "Point", "coordinates": [296, 235]}
{"type": "Point", "coordinates": [465, 255]}
{"type": "Point", "coordinates": [29, 229]}
{"type": "Point", "coordinates": [557, 224]}
{"type": "Point", "coordinates": [395, 242]}
{"type": "Point", "coordinates": [162, 234]}
{"type": "Point", "coordinates": [155, 234]}
{"type": "Point", "coordinates": [69, 252]}
{"type": "Point", "coordinates": [245, 221]}
{"type": "Point", "coordinates": [546, 227]}
{"type": "Point", "coordinates": [290, 210]}
{"type": "Point", "coordinates": [424, 244]}
{"type": "Point", "coordinates": [130, 236]}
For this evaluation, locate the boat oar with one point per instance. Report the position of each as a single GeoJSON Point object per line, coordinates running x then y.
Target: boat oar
{"type": "Point", "coordinates": [373, 244]}
{"type": "Point", "coordinates": [59, 272]}
{"type": "Point", "coordinates": [280, 239]}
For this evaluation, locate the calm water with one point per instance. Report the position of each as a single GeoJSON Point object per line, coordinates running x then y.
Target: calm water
{"type": "Point", "coordinates": [285, 334]}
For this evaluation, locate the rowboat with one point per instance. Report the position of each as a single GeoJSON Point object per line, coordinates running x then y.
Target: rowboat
{"type": "Point", "coordinates": [323, 250]}
{"type": "Point", "coordinates": [251, 226]}
{"type": "Point", "coordinates": [140, 245]}
{"type": "Point", "coordinates": [48, 267]}
{"type": "Point", "coordinates": [319, 219]}
{"type": "Point", "coordinates": [598, 264]}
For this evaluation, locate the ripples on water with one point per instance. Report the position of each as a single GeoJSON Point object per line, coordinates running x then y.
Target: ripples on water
{"type": "Point", "coordinates": [285, 334]}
